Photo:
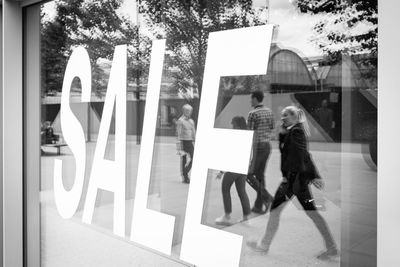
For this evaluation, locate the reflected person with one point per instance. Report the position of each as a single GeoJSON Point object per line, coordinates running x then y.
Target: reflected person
{"type": "Point", "coordinates": [325, 117]}
{"type": "Point", "coordinates": [298, 171]}
{"type": "Point", "coordinates": [261, 121]}
{"type": "Point", "coordinates": [229, 178]}
{"type": "Point", "coordinates": [186, 134]}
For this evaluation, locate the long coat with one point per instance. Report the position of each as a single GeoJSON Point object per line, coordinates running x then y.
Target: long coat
{"type": "Point", "coordinates": [295, 157]}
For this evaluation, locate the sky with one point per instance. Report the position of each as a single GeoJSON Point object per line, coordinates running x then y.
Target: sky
{"type": "Point", "coordinates": [295, 29]}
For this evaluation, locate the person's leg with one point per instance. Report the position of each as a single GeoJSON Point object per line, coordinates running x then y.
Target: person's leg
{"type": "Point", "coordinates": [183, 168]}
{"type": "Point", "coordinates": [281, 198]}
{"type": "Point", "coordinates": [227, 182]}
{"type": "Point", "coordinates": [302, 191]}
{"type": "Point", "coordinates": [259, 155]}
{"type": "Point", "coordinates": [282, 195]}
{"type": "Point", "coordinates": [240, 184]}
{"type": "Point", "coordinates": [262, 155]}
{"type": "Point", "coordinates": [185, 158]}
{"type": "Point", "coordinates": [255, 184]}
{"type": "Point", "coordinates": [190, 150]}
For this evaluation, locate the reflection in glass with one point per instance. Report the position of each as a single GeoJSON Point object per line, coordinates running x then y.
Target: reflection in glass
{"type": "Point", "coordinates": [332, 77]}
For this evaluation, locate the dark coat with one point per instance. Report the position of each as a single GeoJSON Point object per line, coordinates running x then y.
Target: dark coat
{"type": "Point", "coordinates": [295, 157]}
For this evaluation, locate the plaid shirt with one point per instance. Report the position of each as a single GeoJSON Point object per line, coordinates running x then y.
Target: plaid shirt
{"type": "Point", "coordinates": [261, 120]}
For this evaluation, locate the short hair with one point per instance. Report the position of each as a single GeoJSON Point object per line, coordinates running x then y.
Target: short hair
{"type": "Point", "coordinates": [259, 95]}
{"type": "Point", "coordinates": [187, 107]}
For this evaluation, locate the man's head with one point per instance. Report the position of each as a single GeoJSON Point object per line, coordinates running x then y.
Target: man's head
{"type": "Point", "coordinates": [324, 103]}
{"type": "Point", "coordinates": [256, 98]}
{"type": "Point", "coordinates": [187, 110]}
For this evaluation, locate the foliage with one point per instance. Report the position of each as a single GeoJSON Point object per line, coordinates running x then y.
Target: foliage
{"type": "Point", "coordinates": [186, 25]}
{"type": "Point", "coordinates": [348, 27]}
{"type": "Point", "coordinates": [95, 25]}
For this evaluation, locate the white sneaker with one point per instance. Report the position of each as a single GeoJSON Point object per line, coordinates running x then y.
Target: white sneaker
{"type": "Point", "coordinates": [224, 220]}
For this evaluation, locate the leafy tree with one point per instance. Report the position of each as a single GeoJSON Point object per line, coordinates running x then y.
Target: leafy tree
{"type": "Point", "coordinates": [350, 27]}
{"type": "Point", "coordinates": [186, 26]}
{"type": "Point", "coordinates": [95, 25]}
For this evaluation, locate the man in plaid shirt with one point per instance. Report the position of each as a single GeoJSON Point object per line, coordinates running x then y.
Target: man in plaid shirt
{"type": "Point", "coordinates": [261, 121]}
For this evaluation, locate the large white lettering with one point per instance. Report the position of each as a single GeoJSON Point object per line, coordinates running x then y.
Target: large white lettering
{"type": "Point", "coordinates": [149, 227]}
{"type": "Point", "coordinates": [107, 174]}
{"type": "Point", "coordinates": [67, 201]}
{"type": "Point", "coordinates": [229, 53]}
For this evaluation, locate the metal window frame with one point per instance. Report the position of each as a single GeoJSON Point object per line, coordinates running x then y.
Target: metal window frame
{"type": "Point", "coordinates": [20, 225]}
{"type": "Point", "coordinates": [31, 138]}
{"type": "Point", "coordinates": [12, 115]}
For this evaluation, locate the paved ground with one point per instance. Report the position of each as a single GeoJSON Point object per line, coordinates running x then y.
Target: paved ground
{"type": "Point", "coordinates": [349, 197]}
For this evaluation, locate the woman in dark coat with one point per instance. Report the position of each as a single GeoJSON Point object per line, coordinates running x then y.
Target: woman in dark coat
{"type": "Point", "coordinates": [298, 171]}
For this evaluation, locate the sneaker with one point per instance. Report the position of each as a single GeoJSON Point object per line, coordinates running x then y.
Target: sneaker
{"type": "Point", "coordinates": [186, 181]}
{"type": "Point", "coordinates": [329, 253]}
{"type": "Point", "coordinates": [224, 220]}
{"type": "Point", "coordinates": [257, 246]}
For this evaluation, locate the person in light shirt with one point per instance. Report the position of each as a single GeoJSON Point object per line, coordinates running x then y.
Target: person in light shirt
{"type": "Point", "coordinates": [186, 134]}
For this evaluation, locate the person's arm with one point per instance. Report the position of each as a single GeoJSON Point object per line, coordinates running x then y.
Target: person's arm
{"type": "Point", "coordinates": [193, 129]}
{"type": "Point", "coordinates": [297, 149]}
{"type": "Point", "coordinates": [250, 121]}
{"type": "Point", "coordinates": [299, 140]}
{"type": "Point", "coordinates": [281, 139]}
{"type": "Point", "coordinates": [271, 120]}
{"type": "Point", "coordinates": [178, 130]}
{"type": "Point", "coordinates": [178, 136]}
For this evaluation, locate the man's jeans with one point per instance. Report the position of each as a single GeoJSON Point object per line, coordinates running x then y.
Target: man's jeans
{"type": "Point", "coordinates": [257, 168]}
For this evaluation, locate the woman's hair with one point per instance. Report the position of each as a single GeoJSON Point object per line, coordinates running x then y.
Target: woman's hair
{"type": "Point", "coordinates": [300, 117]}
{"type": "Point", "coordinates": [239, 122]}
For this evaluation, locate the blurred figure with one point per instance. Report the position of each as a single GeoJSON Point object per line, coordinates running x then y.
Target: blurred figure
{"type": "Point", "coordinates": [240, 182]}
{"type": "Point", "coordinates": [47, 134]}
{"type": "Point", "coordinates": [325, 117]}
{"type": "Point", "coordinates": [261, 121]}
{"type": "Point", "coordinates": [298, 171]}
{"type": "Point", "coordinates": [186, 133]}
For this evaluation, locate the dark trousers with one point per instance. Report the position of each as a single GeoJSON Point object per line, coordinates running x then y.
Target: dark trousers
{"type": "Point", "coordinates": [240, 183]}
{"type": "Point", "coordinates": [298, 186]}
{"type": "Point", "coordinates": [259, 161]}
{"type": "Point", "coordinates": [187, 147]}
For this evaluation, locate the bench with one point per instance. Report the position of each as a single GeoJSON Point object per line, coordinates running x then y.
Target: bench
{"type": "Point", "coordinates": [57, 146]}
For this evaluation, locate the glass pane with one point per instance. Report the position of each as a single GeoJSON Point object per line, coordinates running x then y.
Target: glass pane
{"type": "Point", "coordinates": [320, 82]}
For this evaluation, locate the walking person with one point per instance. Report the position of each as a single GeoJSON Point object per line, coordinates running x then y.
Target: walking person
{"type": "Point", "coordinates": [261, 121]}
{"type": "Point", "coordinates": [298, 171]}
{"type": "Point", "coordinates": [240, 182]}
{"type": "Point", "coordinates": [186, 134]}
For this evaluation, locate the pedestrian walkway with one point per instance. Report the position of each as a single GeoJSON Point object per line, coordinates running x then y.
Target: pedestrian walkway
{"type": "Point", "coordinates": [347, 177]}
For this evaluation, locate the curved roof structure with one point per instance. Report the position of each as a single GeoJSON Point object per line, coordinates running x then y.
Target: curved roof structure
{"type": "Point", "coordinates": [287, 67]}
